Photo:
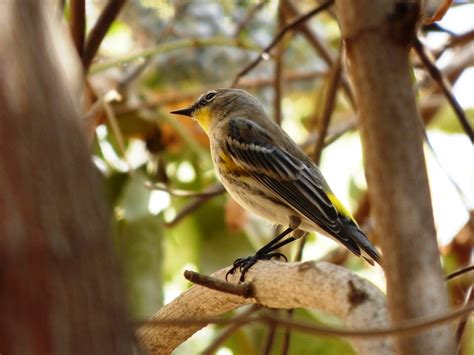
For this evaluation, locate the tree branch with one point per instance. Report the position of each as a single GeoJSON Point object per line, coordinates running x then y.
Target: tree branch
{"type": "Point", "coordinates": [377, 38]}
{"type": "Point", "coordinates": [328, 108]}
{"type": "Point", "coordinates": [60, 286]}
{"type": "Point", "coordinates": [99, 31]}
{"type": "Point", "coordinates": [321, 48]}
{"type": "Point", "coordinates": [445, 87]}
{"type": "Point", "coordinates": [78, 24]}
{"type": "Point", "coordinates": [293, 24]}
{"type": "Point", "coordinates": [279, 285]}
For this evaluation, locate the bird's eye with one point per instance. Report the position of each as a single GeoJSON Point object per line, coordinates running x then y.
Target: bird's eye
{"type": "Point", "coordinates": [210, 96]}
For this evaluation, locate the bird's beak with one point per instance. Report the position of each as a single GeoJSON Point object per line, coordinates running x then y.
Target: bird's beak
{"type": "Point", "coordinates": [185, 111]}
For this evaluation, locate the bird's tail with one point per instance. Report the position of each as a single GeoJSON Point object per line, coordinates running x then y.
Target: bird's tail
{"type": "Point", "coordinates": [349, 230]}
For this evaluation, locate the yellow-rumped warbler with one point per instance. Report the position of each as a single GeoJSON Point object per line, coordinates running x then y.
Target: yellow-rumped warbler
{"type": "Point", "coordinates": [268, 174]}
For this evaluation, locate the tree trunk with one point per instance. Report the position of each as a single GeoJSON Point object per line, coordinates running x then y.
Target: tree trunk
{"type": "Point", "coordinates": [60, 291]}
{"type": "Point", "coordinates": [377, 37]}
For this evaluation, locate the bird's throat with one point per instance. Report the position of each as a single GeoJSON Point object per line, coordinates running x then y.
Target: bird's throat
{"type": "Point", "coordinates": [203, 116]}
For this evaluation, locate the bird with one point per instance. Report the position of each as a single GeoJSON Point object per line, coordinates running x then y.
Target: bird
{"type": "Point", "coordinates": [266, 172]}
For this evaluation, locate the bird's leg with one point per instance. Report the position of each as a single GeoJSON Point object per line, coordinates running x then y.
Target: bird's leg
{"type": "Point", "coordinates": [267, 251]}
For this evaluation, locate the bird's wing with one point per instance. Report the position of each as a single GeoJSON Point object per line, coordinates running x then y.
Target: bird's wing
{"type": "Point", "coordinates": [289, 178]}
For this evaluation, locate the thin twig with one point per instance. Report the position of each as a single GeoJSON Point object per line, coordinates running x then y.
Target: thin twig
{"type": "Point", "coordinates": [456, 40]}
{"type": "Point", "coordinates": [462, 324]}
{"type": "Point", "coordinates": [249, 17]}
{"type": "Point", "coordinates": [165, 32]}
{"type": "Point", "coordinates": [191, 42]}
{"type": "Point", "coordinates": [214, 190]}
{"type": "Point", "coordinates": [296, 22]}
{"type": "Point", "coordinates": [278, 83]}
{"type": "Point", "coordinates": [187, 210]}
{"type": "Point", "coordinates": [238, 322]}
{"type": "Point", "coordinates": [328, 108]}
{"type": "Point", "coordinates": [456, 186]}
{"type": "Point", "coordinates": [285, 347]}
{"type": "Point", "coordinates": [444, 85]}
{"type": "Point", "coordinates": [182, 322]}
{"type": "Point", "coordinates": [411, 326]}
{"type": "Point", "coordinates": [78, 24]}
{"type": "Point", "coordinates": [243, 289]}
{"type": "Point", "coordinates": [109, 112]}
{"type": "Point", "coordinates": [459, 272]}
{"type": "Point", "coordinates": [97, 34]}
{"type": "Point", "coordinates": [320, 48]}
{"type": "Point", "coordinates": [347, 125]}
{"type": "Point", "coordinates": [270, 340]}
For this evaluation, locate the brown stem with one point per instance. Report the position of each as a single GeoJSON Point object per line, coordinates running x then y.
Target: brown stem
{"type": "Point", "coordinates": [459, 272]}
{"type": "Point", "coordinates": [320, 47]}
{"type": "Point", "coordinates": [279, 63]}
{"type": "Point", "coordinates": [460, 330]}
{"type": "Point", "coordinates": [242, 289]}
{"type": "Point", "coordinates": [272, 326]}
{"type": "Point", "coordinates": [296, 22]}
{"type": "Point", "coordinates": [237, 323]}
{"type": "Point", "coordinates": [445, 87]}
{"type": "Point", "coordinates": [78, 24]}
{"type": "Point", "coordinates": [328, 109]}
{"type": "Point", "coordinates": [249, 17]}
{"type": "Point", "coordinates": [189, 208]}
{"type": "Point", "coordinates": [377, 37]}
{"type": "Point", "coordinates": [97, 34]}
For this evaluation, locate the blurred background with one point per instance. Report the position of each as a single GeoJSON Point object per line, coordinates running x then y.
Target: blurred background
{"type": "Point", "coordinates": [160, 55]}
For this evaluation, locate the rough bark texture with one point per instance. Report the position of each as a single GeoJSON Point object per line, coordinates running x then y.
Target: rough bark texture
{"type": "Point", "coordinates": [319, 285]}
{"type": "Point", "coordinates": [59, 286]}
{"type": "Point", "coordinates": [377, 36]}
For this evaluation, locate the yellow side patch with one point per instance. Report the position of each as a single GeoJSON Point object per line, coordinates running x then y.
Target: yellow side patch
{"type": "Point", "coordinates": [228, 164]}
{"type": "Point", "coordinates": [203, 116]}
{"type": "Point", "coordinates": [340, 207]}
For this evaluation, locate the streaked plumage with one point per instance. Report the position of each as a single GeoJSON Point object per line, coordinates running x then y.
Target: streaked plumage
{"type": "Point", "coordinates": [267, 173]}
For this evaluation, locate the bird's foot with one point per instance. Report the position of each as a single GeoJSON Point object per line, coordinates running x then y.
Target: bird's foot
{"type": "Point", "coordinates": [244, 264]}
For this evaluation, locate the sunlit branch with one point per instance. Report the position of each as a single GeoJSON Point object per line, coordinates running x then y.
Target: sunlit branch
{"type": "Point", "coordinates": [445, 86]}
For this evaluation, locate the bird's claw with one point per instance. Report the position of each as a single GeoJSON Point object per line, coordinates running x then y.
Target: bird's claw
{"type": "Point", "coordinates": [244, 264]}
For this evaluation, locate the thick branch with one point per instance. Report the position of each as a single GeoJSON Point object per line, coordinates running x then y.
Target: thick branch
{"type": "Point", "coordinates": [60, 291]}
{"type": "Point", "coordinates": [377, 36]}
{"type": "Point", "coordinates": [320, 285]}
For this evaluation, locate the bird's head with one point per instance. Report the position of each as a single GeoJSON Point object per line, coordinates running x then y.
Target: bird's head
{"type": "Point", "coordinates": [218, 104]}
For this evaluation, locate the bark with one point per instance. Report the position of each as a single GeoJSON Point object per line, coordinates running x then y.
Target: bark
{"type": "Point", "coordinates": [60, 291]}
{"type": "Point", "coordinates": [377, 37]}
{"type": "Point", "coordinates": [317, 285]}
